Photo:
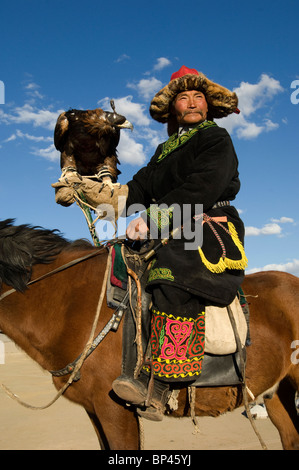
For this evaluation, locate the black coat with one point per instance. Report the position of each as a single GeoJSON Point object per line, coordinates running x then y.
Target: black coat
{"type": "Point", "coordinates": [200, 167]}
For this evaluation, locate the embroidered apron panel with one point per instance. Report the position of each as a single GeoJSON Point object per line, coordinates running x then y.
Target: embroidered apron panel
{"type": "Point", "coordinates": [177, 345]}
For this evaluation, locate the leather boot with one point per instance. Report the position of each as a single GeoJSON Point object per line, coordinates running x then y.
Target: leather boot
{"type": "Point", "coordinates": [135, 391]}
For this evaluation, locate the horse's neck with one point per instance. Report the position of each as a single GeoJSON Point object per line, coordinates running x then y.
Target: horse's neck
{"type": "Point", "coordinates": [21, 325]}
{"type": "Point", "coordinates": [51, 320]}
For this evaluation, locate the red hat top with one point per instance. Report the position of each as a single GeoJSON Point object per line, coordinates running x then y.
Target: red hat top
{"type": "Point", "coordinates": [183, 71]}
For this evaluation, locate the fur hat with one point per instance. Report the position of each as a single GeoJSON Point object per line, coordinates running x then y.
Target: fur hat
{"type": "Point", "coordinates": [221, 101]}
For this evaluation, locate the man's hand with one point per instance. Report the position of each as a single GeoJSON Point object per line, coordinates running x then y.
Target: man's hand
{"type": "Point", "coordinates": [137, 230]}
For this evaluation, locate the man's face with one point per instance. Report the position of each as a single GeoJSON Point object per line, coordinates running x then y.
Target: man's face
{"type": "Point", "coordinates": [190, 107]}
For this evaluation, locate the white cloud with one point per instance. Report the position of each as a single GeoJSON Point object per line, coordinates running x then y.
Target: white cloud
{"type": "Point", "coordinates": [32, 90]}
{"type": "Point", "coordinates": [272, 228]}
{"type": "Point", "coordinates": [291, 267]}
{"type": "Point", "coordinates": [31, 86]}
{"type": "Point", "coordinates": [153, 137]}
{"type": "Point", "coordinates": [122, 58]}
{"type": "Point", "coordinates": [129, 151]}
{"type": "Point", "coordinates": [284, 220]}
{"type": "Point", "coordinates": [21, 135]}
{"type": "Point", "coordinates": [49, 153]}
{"type": "Point", "coordinates": [146, 87]}
{"type": "Point", "coordinates": [254, 96]}
{"type": "Point", "coordinates": [162, 62]}
{"type": "Point", "coordinates": [268, 229]}
{"type": "Point", "coordinates": [251, 98]}
{"type": "Point", "coordinates": [10, 139]}
{"type": "Point", "coordinates": [269, 125]}
{"type": "Point", "coordinates": [4, 118]}
{"type": "Point", "coordinates": [248, 130]}
{"type": "Point", "coordinates": [28, 114]}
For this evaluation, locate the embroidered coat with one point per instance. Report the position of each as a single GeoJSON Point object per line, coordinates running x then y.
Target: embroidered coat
{"type": "Point", "coordinates": [200, 167]}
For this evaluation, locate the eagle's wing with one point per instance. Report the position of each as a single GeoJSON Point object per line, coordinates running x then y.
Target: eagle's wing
{"type": "Point", "coordinates": [61, 132]}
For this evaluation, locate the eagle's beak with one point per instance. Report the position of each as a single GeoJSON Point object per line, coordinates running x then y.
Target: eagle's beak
{"type": "Point", "coordinates": [126, 125]}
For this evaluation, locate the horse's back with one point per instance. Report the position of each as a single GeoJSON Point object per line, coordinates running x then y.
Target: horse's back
{"type": "Point", "coordinates": [274, 294]}
{"type": "Point", "coordinates": [273, 299]}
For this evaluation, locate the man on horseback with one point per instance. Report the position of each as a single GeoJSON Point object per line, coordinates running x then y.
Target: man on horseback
{"type": "Point", "coordinates": [196, 165]}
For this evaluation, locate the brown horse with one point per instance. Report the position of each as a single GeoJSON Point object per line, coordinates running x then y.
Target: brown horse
{"type": "Point", "coordinates": [51, 321]}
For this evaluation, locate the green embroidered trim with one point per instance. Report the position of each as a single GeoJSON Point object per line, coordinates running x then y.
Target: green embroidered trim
{"type": "Point", "coordinates": [176, 317]}
{"type": "Point", "coordinates": [160, 273]}
{"type": "Point", "coordinates": [162, 336]}
{"type": "Point", "coordinates": [160, 216]}
{"type": "Point", "coordinates": [174, 141]}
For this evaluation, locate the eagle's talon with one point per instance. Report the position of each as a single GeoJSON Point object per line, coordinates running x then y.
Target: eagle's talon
{"type": "Point", "coordinates": [108, 183]}
{"type": "Point", "coordinates": [102, 187]}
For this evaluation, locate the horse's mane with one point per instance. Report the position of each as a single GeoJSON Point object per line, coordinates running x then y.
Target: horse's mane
{"type": "Point", "coordinates": [23, 246]}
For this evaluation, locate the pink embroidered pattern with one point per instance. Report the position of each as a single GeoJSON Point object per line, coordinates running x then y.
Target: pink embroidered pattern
{"type": "Point", "coordinates": [177, 344]}
{"type": "Point", "coordinates": [176, 339]}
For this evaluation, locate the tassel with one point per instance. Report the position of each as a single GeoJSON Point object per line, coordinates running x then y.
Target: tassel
{"type": "Point", "coordinates": [224, 262]}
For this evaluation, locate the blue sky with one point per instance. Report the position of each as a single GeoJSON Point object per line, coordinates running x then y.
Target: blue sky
{"type": "Point", "coordinates": [55, 55]}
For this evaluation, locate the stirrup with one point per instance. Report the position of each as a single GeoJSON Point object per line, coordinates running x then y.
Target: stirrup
{"type": "Point", "coordinates": [151, 413]}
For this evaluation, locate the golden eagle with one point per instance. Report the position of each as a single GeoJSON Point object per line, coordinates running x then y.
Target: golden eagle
{"type": "Point", "coordinates": [87, 141]}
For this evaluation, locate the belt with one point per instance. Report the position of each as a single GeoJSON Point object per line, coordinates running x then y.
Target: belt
{"type": "Point", "coordinates": [221, 204]}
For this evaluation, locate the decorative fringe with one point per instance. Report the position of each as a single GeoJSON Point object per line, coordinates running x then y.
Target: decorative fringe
{"type": "Point", "coordinates": [224, 262]}
{"type": "Point", "coordinates": [173, 400]}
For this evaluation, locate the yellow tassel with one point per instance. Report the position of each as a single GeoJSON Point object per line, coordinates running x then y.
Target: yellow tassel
{"type": "Point", "coordinates": [227, 263]}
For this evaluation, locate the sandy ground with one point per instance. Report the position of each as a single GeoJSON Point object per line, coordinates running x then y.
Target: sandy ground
{"type": "Point", "coordinates": [65, 426]}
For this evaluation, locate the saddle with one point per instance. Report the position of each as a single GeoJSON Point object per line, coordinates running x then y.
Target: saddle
{"type": "Point", "coordinates": [222, 363]}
